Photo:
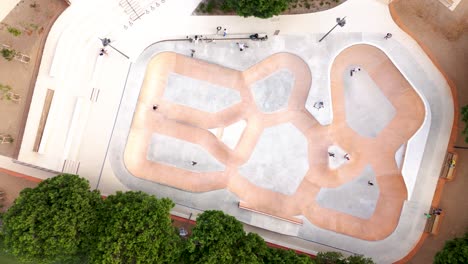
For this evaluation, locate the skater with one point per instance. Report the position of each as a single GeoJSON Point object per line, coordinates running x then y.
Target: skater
{"type": "Point", "coordinates": [331, 154]}
{"type": "Point", "coordinates": [192, 52]}
{"type": "Point", "coordinates": [218, 29]}
{"type": "Point", "coordinates": [194, 163]}
{"type": "Point", "coordinates": [102, 51]}
{"type": "Point", "coordinates": [318, 105]}
{"type": "Point", "coordinates": [389, 35]}
{"type": "Point", "coordinates": [242, 46]}
{"type": "Point", "coordinates": [224, 33]}
{"type": "Point", "coordinates": [346, 156]}
{"type": "Point", "coordinates": [155, 107]}
{"type": "Point", "coordinates": [370, 183]}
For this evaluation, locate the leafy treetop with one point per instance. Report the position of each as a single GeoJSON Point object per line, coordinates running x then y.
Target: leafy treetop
{"type": "Point", "coordinates": [135, 227]}
{"type": "Point", "coordinates": [51, 222]}
{"type": "Point", "coordinates": [257, 8]}
{"type": "Point", "coordinates": [454, 252]}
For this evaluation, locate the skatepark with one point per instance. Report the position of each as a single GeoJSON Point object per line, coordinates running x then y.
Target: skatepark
{"type": "Point", "coordinates": [250, 133]}
{"type": "Point", "coordinates": [316, 146]}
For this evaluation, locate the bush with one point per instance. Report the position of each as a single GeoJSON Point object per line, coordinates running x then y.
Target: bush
{"type": "Point", "coordinates": [8, 54]}
{"type": "Point", "coordinates": [464, 112]}
{"type": "Point", "coordinates": [14, 31]}
{"type": "Point", "coordinates": [258, 8]}
{"type": "Point", "coordinates": [454, 252]}
{"type": "Point", "coordinates": [210, 6]}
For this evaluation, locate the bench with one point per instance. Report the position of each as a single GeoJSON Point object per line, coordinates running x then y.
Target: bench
{"type": "Point", "coordinates": [448, 167]}
{"type": "Point", "coordinates": [433, 223]}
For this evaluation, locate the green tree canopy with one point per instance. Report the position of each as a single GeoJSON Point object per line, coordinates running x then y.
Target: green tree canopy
{"type": "Point", "coordinates": [135, 227]}
{"type": "Point", "coordinates": [215, 238]}
{"type": "Point", "coordinates": [454, 252]}
{"type": "Point", "coordinates": [281, 256]}
{"type": "Point", "coordinates": [257, 8]}
{"type": "Point", "coordinates": [464, 113]}
{"type": "Point", "coordinates": [220, 238]}
{"type": "Point", "coordinates": [338, 258]}
{"type": "Point", "coordinates": [53, 221]}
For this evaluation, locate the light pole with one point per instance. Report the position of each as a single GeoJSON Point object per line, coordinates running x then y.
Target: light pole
{"type": "Point", "coordinates": [106, 42]}
{"type": "Point", "coordinates": [339, 22]}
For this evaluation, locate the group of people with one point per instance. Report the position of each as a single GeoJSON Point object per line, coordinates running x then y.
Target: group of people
{"type": "Point", "coordinates": [346, 156]}
{"type": "Point", "coordinates": [435, 211]}
{"type": "Point", "coordinates": [354, 70]}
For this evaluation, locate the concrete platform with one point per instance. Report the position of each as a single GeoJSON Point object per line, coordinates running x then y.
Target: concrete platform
{"type": "Point", "coordinates": [280, 165]}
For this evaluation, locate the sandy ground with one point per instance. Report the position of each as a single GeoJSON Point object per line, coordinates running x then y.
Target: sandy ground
{"type": "Point", "coordinates": [34, 23]}
{"type": "Point", "coordinates": [12, 186]}
{"type": "Point", "coordinates": [445, 34]}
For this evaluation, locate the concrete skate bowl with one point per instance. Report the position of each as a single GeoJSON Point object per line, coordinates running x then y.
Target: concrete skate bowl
{"type": "Point", "coordinates": [249, 132]}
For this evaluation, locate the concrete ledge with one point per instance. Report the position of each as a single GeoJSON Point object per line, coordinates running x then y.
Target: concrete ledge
{"type": "Point", "coordinates": [293, 220]}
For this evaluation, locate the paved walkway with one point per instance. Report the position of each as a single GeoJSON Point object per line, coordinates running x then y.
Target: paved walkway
{"type": "Point", "coordinates": [71, 58]}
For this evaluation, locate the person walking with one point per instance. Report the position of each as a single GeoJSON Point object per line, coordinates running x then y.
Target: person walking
{"type": "Point", "coordinates": [389, 35]}
{"type": "Point", "coordinates": [192, 52]}
{"type": "Point", "coordinates": [331, 154]}
{"type": "Point", "coordinates": [370, 183]}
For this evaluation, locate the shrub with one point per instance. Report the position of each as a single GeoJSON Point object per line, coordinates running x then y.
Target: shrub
{"type": "Point", "coordinates": [8, 54]}
{"type": "Point", "coordinates": [210, 6]}
{"type": "Point", "coordinates": [464, 112]}
{"type": "Point", "coordinates": [14, 31]}
{"type": "Point", "coordinates": [455, 251]}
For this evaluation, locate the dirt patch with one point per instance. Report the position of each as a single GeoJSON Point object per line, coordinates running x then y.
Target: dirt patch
{"type": "Point", "coordinates": [445, 34]}
{"type": "Point", "coordinates": [214, 7]}
{"type": "Point", "coordinates": [24, 30]}
{"type": "Point", "coordinates": [11, 186]}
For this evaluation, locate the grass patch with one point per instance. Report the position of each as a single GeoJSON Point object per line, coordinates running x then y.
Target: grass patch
{"type": "Point", "coordinates": [14, 31]}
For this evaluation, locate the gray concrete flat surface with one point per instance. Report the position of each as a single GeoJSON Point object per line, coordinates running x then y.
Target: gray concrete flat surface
{"type": "Point", "coordinates": [368, 111]}
{"type": "Point", "coordinates": [199, 94]}
{"type": "Point", "coordinates": [355, 197]}
{"type": "Point", "coordinates": [279, 161]}
{"type": "Point", "coordinates": [272, 93]}
{"type": "Point", "coordinates": [179, 153]}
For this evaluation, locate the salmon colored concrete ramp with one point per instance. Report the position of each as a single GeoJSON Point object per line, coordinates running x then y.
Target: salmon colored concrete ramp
{"type": "Point", "coordinates": [191, 126]}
